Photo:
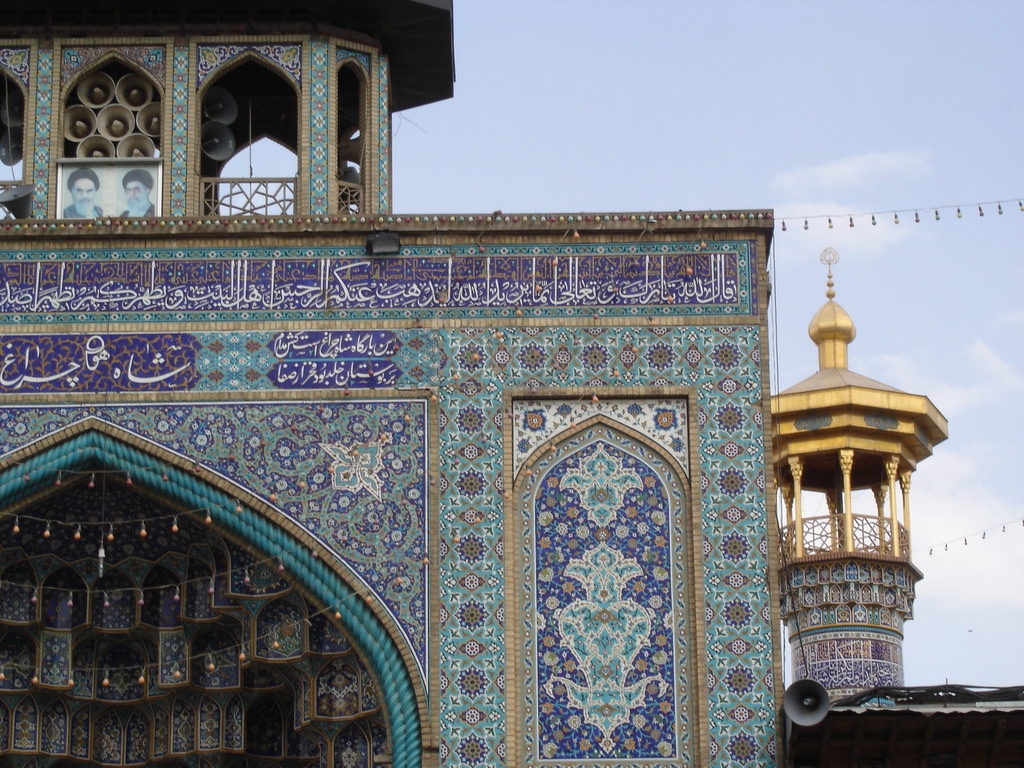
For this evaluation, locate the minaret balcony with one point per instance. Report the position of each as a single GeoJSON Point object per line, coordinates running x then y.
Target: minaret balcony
{"type": "Point", "coordinates": [827, 535]}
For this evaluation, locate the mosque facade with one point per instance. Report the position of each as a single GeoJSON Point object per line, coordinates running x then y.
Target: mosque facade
{"type": "Point", "coordinates": [290, 478]}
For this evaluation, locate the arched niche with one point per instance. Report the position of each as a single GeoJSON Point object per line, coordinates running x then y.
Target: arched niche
{"type": "Point", "coordinates": [604, 590]}
{"type": "Point", "coordinates": [114, 601]}
{"type": "Point", "coordinates": [245, 102]}
{"type": "Point", "coordinates": [113, 109]}
{"type": "Point", "coordinates": [19, 593]}
{"type": "Point", "coordinates": [215, 656]}
{"type": "Point", "coordinates": [65, 599]}
{"type": "Point", "coordinates": [161, 605]}
{"type": "Point", "coordinates": [18, 659]}
{"type": "Point", "coordinates": [12, 129]}
{"type": "Point", "coordinates": [354, 147]}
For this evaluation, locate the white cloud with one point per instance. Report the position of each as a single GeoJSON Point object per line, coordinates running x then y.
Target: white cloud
{"type": "Point", "coordinates": [1011, 318]}
{"type": "Point", "coordinates": [850, 173]}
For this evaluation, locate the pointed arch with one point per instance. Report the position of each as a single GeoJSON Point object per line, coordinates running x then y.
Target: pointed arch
{"type": "Point", "coordinates": [602, 528]}
{"type": "Point", "coordinates": [240, 516]}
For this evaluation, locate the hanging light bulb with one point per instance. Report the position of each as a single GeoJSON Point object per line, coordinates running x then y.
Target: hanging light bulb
{"type": "Point", "coordinates": [830, 222]}
{"type": "Point", "coordinates": [106, 679]}
{"type": "Point", "coordinates": [142, 530]}
{"type": "Point", "coordinates": [212, 588]}
{"type": "Point", "coordinates": [128, 478]}
{"type": "Point", "coordinates": [35, 596]}
{"type": "Point", "coordinates": [241, 656]}
{"type": "Point", "coordinates": [917, 219]}
{"type": "Point", "coordinates": [99, 556]}
{"type": "Point", "coordinates": [980, 211]}
{"type": "Point", "coordinates": [174, 525]}
{"type": "Point", "coordinates": [245, 577]}
{"type": "Point", "coordinates": [807, 226]}
{"type": "Point", "coordinates": [783, 225]}
{"type": "Point", "coordinates": [958, 214]}
{"type": "Point", "coordinates": [46, 533]}
{"type": "Point", "coordinates": [936, 214]}
{"type": "Point", "coordinates": [71, 600]}
{"type": "Point", "coordinates": [851, 222]}
{"type": "Point", "coordinates": [999, 208]}
{"type": "Point", "coordinates": [873, 222]}
{"type": "Point", "coordinates": [58, 479]}
{"type": "Point", "coordinates": [17, 526]}
{"type": "Point", "coordinates": [896, 218]}
{"type": "Point", "coordinates": [142, 597]}
{"type": "Point", "coordinates": [106, 600]}
{"type": "Point", "coordinates": [92, 480]}
{"type": "Point", "coordinates": [78, 532]}
{"type": "Point", "coordinates": [110, 532]}
{"type": "Point", "coordinates": [210, 666]}
{"type": "Point", "coordinates": [177, 595]}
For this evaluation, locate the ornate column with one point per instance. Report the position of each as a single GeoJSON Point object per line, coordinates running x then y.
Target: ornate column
{"type": "Point", "coordinates": [891, 465]}
{"type": "Point", "coordinates": [846, 465]}
{"type": "Point", "coordinates": [879, 492]}
{"type": "Point", "coordinates": [796, 466]}
{"type": "Point", "coordinates": [905, 487]}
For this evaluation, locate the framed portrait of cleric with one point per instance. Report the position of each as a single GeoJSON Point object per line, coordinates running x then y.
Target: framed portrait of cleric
{"type": "Point", "coordinates": [91, 189]}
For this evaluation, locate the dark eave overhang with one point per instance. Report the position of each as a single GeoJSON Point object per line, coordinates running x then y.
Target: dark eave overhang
{"type": "Point", "coordinates": [416, 35]}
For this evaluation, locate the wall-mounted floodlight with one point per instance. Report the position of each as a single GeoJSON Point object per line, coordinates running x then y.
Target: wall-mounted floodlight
{"type": "Point", "coordinates": [383, 243]}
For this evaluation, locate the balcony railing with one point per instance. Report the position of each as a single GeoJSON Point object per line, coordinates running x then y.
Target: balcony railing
{"type": "Point", "coordinates": [827, 534]}
{"type": "Point", "coordinates": [349, 197]}
{"type": "Point", "coordinates": [248, 197]}
{"type": "Point", "coordinates": [266, 197]}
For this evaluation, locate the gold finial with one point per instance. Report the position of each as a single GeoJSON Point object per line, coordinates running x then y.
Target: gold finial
{"type": "Point", "coordinates": [829, 256]}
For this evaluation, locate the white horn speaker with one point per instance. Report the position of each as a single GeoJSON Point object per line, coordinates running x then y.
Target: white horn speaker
{"type": "Point", "coordinates": [219, 105]}
{"type": "Point", "coordinates": [96, 147]}
{"type": "Point", "coordinates": [134, 91]}
{"type": "Point", "coordinates": [806, 702]}
{"type": "Point", "coordinates": [11, 149]}
{"type": "Point", "coordinates": [115, 122]}
{"type": "Point", "coordinates": [12, 111]}
{"type": "Point", "coordinates": [218, 141]}
{"type": "Point", "coordinates": [79, 123]}
{"type": "Point", "coordinates": [148, 119]}
{"type": "Point", "coordinates": [96, 90]}
{"type": "Point", "coordinates": [18, 200]}
{"type": "Point", "coordinates": [136, 145]}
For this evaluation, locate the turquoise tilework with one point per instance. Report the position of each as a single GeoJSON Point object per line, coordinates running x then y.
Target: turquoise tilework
{"type": "Point", "coordinates": [41, 152]}
{"type": "Point", "coordinates": [319, 145]}
{"type": "Point", "coordinates": [179, 131]}
{"type": "Point", "coordinates": [383, 138]}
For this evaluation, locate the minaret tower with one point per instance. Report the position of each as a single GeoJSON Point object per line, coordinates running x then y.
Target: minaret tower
{"type": "Point", "coordinates": [847, 576]}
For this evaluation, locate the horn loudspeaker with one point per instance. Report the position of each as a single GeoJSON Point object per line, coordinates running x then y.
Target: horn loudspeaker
{"type": "Point", "coordinates": [96, 90]}
{"type": "Point", "coordinates": [806, 702]}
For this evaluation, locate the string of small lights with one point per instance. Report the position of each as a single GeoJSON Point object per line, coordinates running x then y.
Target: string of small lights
{"type": "Point", "coordinates": [982, 535]}
{"type": "Point", "coordinates": [936, 211]}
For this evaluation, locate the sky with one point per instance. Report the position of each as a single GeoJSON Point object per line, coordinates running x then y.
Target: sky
{"type": "Point", "coordinates": [814, 110]}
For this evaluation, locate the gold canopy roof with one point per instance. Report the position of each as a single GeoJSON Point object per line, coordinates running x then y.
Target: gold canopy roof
{"type": "Point", "coordinates": [837, 408]}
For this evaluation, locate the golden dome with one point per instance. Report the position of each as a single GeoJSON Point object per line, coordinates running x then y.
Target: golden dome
{"type": "Point", "coordinates": [831, 328]}
{"type": "Point", "coordinates": [832, 323]}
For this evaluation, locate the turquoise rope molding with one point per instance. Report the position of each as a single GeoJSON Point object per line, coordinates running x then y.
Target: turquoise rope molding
{"type": "Point", "coordinates": [257, 531]}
